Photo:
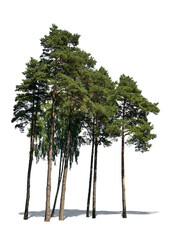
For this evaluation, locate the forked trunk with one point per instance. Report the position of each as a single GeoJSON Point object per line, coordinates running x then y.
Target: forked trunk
{"type": "Point", "coordinates": [48, 188]}
{"type": "Point", "coordinates": [124, 214]}
{"type": "Point", "coordinates": [62, 202]}
{"type": "Point", "coordinates": [95, 173]}
{"type": "Point", "coordinates": [90, 178]}
{"type": "Point", "coordinates": [61, 170]}
{"type": "Point", "coordinates": [32, 137]}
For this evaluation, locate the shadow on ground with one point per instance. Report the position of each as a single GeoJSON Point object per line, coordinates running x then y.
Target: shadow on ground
{"type": "Point", "coordinates": [77, 212]}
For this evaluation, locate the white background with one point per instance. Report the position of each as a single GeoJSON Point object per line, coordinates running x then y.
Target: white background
{"type": "Point", "coordinates": [125, 36]}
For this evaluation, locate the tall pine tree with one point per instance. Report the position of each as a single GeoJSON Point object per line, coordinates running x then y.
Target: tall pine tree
{"type": "Point", "coordinates": [99, 87]}
{"type": "Point", "coordinates": [136, 129]}
{"type": "Point", "coordinates": [31, 94]}
{"type": "Point", "coordinates": [77, 100]}
{"type": "Point", "coordinates": [55, 48]}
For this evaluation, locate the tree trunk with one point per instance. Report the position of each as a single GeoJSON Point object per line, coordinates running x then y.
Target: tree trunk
{"type": "Point", "coordinates": [95, 173]}
{"type": "Point", "coordinates": [29, 176]}
{"type": "Point", "coordinates": [48, 188]}
{"type": "Point", "coordinates": [32, 137]}
{"type": "Point", "coordinates": [61, 168]}
{"type": "Point", "coordinates": [62, 202]}
{"type": "Point", "coordinates": [90, 178]}
{"type": "Point", "coordinates": [124, 214]}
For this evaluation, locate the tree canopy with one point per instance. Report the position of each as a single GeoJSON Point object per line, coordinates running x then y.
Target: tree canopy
{"type": "Point", "coordinates": [67, 102]}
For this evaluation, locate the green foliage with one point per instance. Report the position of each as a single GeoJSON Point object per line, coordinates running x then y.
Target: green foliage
{"type": "Point", "coordinates": [133, 113]}
{"type": "Point", "coordinates": [140, 136]}
{"type": "Point", "coordinates": [92, 93]}
{"type": "Point", "coordinates": [100, 105]}
{"type": "Point", "coordinates": [63, 96]}
{"type": "Point", "coordinates": [65, 66]}
{"type": "Point", "coordinates": [31, 93]}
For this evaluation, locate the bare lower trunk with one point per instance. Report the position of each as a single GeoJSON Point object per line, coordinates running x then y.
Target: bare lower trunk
{"type": "Point", "coordinates": [124, 214]}
{"type": "Point", "coordinates": [61, 168]}
{"type": "Point", "coordinates": [62, 202]}
{"type": "Point", "coordinates": [28, 179]}
{"type": "Point", "coordinates": [95, 173]}
{"type": "Point", "coordinates": [48, 188]}
{"type": "Point", "coordinates": [33, 131]}
{"type": "Point", "coordinates": [90, 178]}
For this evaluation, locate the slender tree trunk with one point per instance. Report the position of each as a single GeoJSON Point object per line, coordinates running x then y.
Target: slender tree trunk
{"type": "Point", "coordinates": [29, 176]}
{"type": "Point", "coordinates": [124, 214]}
{"type": "Point", "coordinates": [62, 202]}
{"type": "Point", "coordinates": [61, 168]}
{"type": "Point", "coordinates": [32, 137]}
{"type": "Point", "coordinates": [90, 178]}
{"type": "Point", "coordinates": [95, 173]}
{"type": "Point", "coordinates": [48, 188]}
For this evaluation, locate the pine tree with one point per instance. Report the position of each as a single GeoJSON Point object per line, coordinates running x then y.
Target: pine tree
{"type": "Point", "coordinates": [76, 94]}
{"type": "Point", "coordinates": [31, 94]}
{"type": "Point", "coordinates": [55, 49]}
{"type": "Point", "coordinates": [99, 87]}
{"type": "Point", "coordinates": [133, 114]}
{"type": "Point", "coordinates": [103, 112]}
{"type": "Point", "coordinates": [62, 95]}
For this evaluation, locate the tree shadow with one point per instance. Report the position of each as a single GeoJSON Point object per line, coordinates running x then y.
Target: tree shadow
{"type": "Point", "coordinates": [77, 212]}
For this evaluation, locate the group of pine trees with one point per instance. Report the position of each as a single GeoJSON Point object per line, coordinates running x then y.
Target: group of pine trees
{"type": "Point", "coordinates": [67, 102]}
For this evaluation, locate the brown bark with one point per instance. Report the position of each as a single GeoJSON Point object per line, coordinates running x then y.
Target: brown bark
{"type": "Point", "coordinates": [62, 202]}
{"type": "Point", "coordinates": [90, 178]}
{"type": "Point", "coordinates": [48, 188]}
{"type": "Point", "coordinates": [124, 214]}
{"type": "Point", "coordinates": [28, 178]}
{"type": "Point", "coordinates": [32, 137]}
{"type": "Point", "coordinates": [61, 168]}
{"type": "Point", "coordinates": [95, 172]}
